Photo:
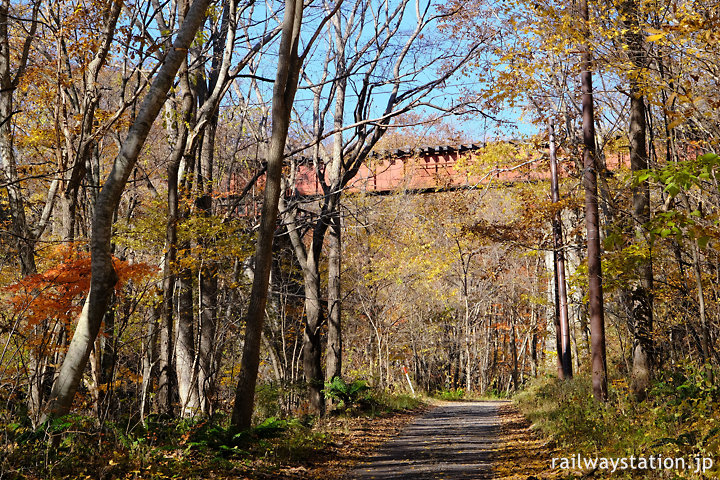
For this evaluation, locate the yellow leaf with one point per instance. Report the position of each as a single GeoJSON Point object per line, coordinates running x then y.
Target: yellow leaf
{"type": "Point", "coordinates": [675, 123]}
{"type": "Point", "coordinates": [658, 36]}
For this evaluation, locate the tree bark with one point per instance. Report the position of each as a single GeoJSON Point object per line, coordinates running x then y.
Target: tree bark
{"type": "Point", "coordinates": [333, 364]}
{"type": "Point", "coordinates": [641, 290]}
{"type": "Point", "coordinates": [333, 360]}
{"type": "Point", "coordinates": [312, 348]}
{"type": "Point", "coordinates": [592, 220]}
{"type": "Point", "coordinates": [22, 237]}
{"type": "Point", "coordinates": [185, 366]}
{"type": "Point", "coordinates": [208, 277]}
{"type": "Point", "coordinates": [308, 258]}
{"type": "Point", "coordinates": [179, 131]}
{"type": "Point", "coordinates": [10, 74]}
{"type": "Point", "coordinates": [289, 64]}
{"type": "Point", "coordinates": [149, 359]}
{"type": "Point", "coordinates": [561, 304]}
{"type": "Point", "coordinates": [104, 277]}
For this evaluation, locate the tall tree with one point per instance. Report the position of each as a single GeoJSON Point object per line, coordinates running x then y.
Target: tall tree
{"type": "Point", "coordinates": [561, 305]}
{"type": "Point", "coordinates": [366, 55]}
{"type": "Point", "coordinates": [286, 79]}
{"type": "Point", "coordinates": [641, 308]}
{"type": "Point", "coordinates": [189, 352]}
{"type": "Point", "coordinates": [11, 71]}
{"type": "Point", "coordinates": [592, 219]}
{"type": "Point", "coordinates": [104, 277]}
{"type": "Point", "coordinates": [23, 237]}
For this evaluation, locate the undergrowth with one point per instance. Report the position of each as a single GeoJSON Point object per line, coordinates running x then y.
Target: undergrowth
{"type": "Point", "coordinates": [460, 394]}
{"type": "Point", "coordinates": [680, 419]}
{"type": "Point", "coordinates": [357, 397]}
{"type": "Point", "coordinates": [450, 394]}
{"type": "Point", "coordinates": [76, 447]}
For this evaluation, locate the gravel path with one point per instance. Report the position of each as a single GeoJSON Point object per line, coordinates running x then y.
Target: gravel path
{"type": "Point", "coordinates": [451, 441]}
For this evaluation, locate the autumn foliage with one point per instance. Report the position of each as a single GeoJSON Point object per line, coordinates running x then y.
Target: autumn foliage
{"type": "Point", "coordinates": [58, 293]}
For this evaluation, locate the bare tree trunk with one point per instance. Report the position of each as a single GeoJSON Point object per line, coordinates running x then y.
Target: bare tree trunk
{"type": "Point", "coordinates": [705, 342]}
{"type": "Point", "coordinates": [466, 334]}
{"type": "Point", "coordinates": [208, 280]}
{"type": "Point", "coordinates": [167, 385]}
{"type": "Point", "coordinates": [309, 260]}
{"type": "Point", "coordinates": [104, 277]}
{"type": "Point", "coordinates": [206, 347]}
{"type": "Point", "coordinates": [595, 293]}
{"type": "Point", "coordinates": [559, 256]}
{"type": "Point", "coordinates": [11, 71]}
{"type": "Point", "coordinates": [513, 347]}
{"type": "Point", "coordinates": [185, 367]}
{"type": "Point", "coordinates": [108, 360]}
{"type": "Point", "coordinates": [334, 337]}
{"type": "Point", "coordinates": [312, 348]}
{"type": "Point", "coordinates": [21, 234]}
{"type": "Point", "coordinates": [149, 359]}
{"type": "Point", "coordinates": [641, 291]}
{"type": "Point", "coordinates": [185, 359]}
{"type": "Point", "coordinates": [555, 300]}
{"type": "Point", "coordinates": [289, 64]}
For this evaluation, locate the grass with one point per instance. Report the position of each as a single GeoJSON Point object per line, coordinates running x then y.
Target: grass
{"type": "Point", "coordinates": [680, 418]}
{"type": "Point", "coordinates": [461, 395]}
{"type": "Point", "coordinates": [387, 403]}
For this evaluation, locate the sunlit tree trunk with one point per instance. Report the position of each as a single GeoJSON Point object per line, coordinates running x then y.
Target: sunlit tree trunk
{"type": "Point", "coordinates": [166, 383]}
{"type": "Point", "coordinates": [592, 220]}
{"type": "Point", "coordinates": [178, 131]}
{"type": "Point", "coordinates": [513, 353]}
{"type": "Point", "coordinates": [312, 348]}
{"type": "Point", "coordinates": [309, 258]}
{"type": "Point", "coordinates": [149, 359]}
{"type": "Point", "coordinates": [561, 305]}
{"type": "Point", "coordinates": [207, 280]}
{"type": "Point", "coordinates": [334, 339]}
{"type": "Point", "coordinates": [288, 70]}
{"type": "Point", "coordinates": [11, 71]}
{"type": "Point", "coordinates": [21, 235]}
{"type": "Point", "coordinates": [185, 366]}
{"type": "Point", "coordinates": [705, 341]}
{"type": "Point", "coordinates": [104, 277]}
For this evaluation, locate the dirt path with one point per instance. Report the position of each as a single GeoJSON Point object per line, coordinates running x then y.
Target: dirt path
{"type": "Point", "coordinates": [452, 441]}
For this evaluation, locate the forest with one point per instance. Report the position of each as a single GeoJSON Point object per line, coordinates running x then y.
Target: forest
{"type": "Point", "coordinates": [204, 274]}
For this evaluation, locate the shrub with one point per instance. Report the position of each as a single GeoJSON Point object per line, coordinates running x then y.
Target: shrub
{"type": "Point", "coordinates": [347, 395]}
{"type": "Point", "coordinates": [456, 394]}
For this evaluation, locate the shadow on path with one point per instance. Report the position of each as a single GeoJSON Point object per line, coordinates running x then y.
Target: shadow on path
{"type": "Point", "coordinates": [452, 441]}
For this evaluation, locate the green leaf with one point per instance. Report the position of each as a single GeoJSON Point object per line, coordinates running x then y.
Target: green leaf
{"type": "Point", "coordinates": [642, 176]}
{"type": "Point", "coordinates": [672, 189]}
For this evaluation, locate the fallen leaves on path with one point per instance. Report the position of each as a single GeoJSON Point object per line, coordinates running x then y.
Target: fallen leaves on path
{"type": "Point", "coordinates": [353, 439]}
{"type": "Point", "coordinates": [522, 454]}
